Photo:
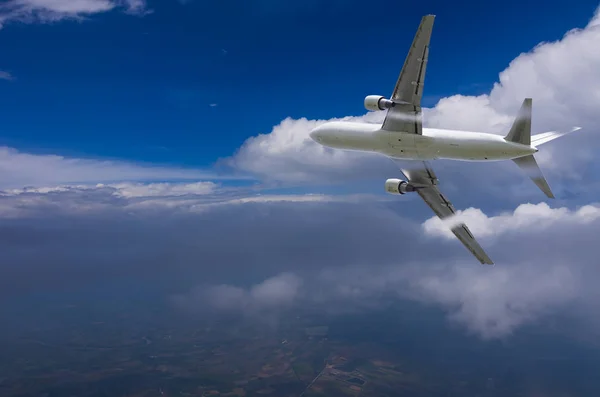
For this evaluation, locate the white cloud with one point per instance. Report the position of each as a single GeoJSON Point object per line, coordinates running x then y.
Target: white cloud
{"type": "Point", "coordinates": [136, 7]}
{"type": "Point", "coordinates": [560, 76]}
{"type": "Point", "coordinates": [526, 218]}
{"type": "Point", "coordinates": [163, 189]}
{"type": "Point", "coordinates": [141, 198]}
{"type": "Point", "coordinates": [6, 76]}
{"type": "Point", "coordinates": [273, 198]}
{"type": "Point", "coordinates": [276, 291]}
{"type": "Point", "coordinates": [203, 203]}
{"type": "Point", "coordinates": [44, 11]}
{"type": "Point", "coordinates": [273, 293]}
{"type": "Point", "coordinates": [488, 302]}
{"type": "Point", "coordinates": [18, 169]}
{"type": "Point", "coordinates": [547, 267]}
{"type": "Point", "coordinates": [288, 153]}
{"type": "Point", "coordinates": [494, 302]}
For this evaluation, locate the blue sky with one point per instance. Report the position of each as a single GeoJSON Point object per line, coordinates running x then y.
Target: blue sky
{"type": "Point", "coordinates": [139, 87]}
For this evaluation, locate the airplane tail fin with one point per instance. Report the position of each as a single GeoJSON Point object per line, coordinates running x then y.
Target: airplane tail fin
{"type": "Point", "coordinates": [532, 170]}
{"type": "Point", "coordinates": [520, 132]}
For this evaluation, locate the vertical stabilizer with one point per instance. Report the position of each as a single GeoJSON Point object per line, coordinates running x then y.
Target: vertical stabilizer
{"type": "Point", "coordinates": [520, 131]}
{"type": "Point", "coordinates": [531, 168]}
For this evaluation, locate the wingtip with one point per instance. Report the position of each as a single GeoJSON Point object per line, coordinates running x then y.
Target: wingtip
{"type": "Point", "coordinates": [548, 192]}
{"type": "Point", "coordinates": [486, 260]}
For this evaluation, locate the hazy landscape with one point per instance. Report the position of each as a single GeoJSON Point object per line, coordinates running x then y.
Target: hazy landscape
{"type": "Point", "coordinates": [75, 345]}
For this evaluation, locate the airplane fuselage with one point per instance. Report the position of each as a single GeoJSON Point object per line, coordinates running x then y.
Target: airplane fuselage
{"type": "Point", "coordinates": [431, 145]}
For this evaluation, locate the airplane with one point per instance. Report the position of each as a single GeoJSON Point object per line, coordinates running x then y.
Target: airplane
{"type": "Point", "coordinates": [402, 138]}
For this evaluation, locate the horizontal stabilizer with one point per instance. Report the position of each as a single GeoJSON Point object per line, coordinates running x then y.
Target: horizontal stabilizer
{"type": "Point", "coordinates": [546, 137]}
{"type": "Point", "coordinates": [532, 170]}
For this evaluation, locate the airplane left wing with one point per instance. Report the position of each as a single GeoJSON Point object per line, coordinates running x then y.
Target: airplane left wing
{"type": "Point", "coordinates": [421, 173]}
{"type": "Point", "coordinates": [405, 116]}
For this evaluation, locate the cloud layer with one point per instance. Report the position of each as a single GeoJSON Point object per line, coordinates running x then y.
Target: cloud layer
{"type": "Point", "coordinates": [540, 272]}
{"type": "Point", "coordinates": [19, 169]}
{"type": "Point", "coordinates": [259, 255]}
{"type": "Point", "coordinates": [45, 11]}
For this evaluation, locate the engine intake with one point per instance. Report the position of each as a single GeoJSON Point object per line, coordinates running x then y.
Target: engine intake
{"type": "Point", "coordinates": [378, 102]}
{"type": "Point", "coordinates": [398, 186]}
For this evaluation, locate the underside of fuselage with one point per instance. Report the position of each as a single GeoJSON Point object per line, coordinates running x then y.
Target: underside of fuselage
{"type": "Point", "coordinates": [431, 145]}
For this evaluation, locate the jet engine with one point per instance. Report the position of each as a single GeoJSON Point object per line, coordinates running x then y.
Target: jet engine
{"type": "Point", "coordinates": [398, 186]}
{"type": "Point", "coordinates": [378, 102]}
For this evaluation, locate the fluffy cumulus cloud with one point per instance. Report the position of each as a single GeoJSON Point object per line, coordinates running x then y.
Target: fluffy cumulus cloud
{"type": "Point", "coordinates": [553, 270]}
{"type": "Point", "coordinates": [288, 154]}
{"type": "Point", "coordinates": [43, 11]}
{"type": "Point", "coordinates": [526, 217]}
{"type": "Point", "coordinates": [495, 303]}
{"type": "Point", "coordinates": [560, 76]}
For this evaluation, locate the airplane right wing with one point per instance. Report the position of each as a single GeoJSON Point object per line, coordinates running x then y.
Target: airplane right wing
{"type": "Point", "coordinates": [421, 173]}
{"type": "Point", "coordinates": [406, 115]}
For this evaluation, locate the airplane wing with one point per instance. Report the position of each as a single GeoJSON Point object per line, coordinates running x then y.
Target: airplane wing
{"type": "Point", "coordinates": [406, 115]}
{"type": "Point", "coordinates": [420, 172]}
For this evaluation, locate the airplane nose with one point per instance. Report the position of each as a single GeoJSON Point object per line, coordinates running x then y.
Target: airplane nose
{"type": "Point", "coordinates": [315, 134]}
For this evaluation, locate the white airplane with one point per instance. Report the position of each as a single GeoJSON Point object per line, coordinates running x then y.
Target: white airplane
{"type": "Point", "coordinates": [402, 138]}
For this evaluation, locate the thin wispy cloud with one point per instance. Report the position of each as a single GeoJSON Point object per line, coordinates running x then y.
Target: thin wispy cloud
{"type": "Point", "coordinates": [6, 76]}
{"type": "Point", "coordinates": [46, 11]}
{"type": "Point", "coordinates": [19, 169]}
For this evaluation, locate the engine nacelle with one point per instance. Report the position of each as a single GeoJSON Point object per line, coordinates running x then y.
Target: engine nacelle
{"type": "Point", "coordinates": [398, 186]}
{"type": "Point", "coordinates": [378, 102]}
